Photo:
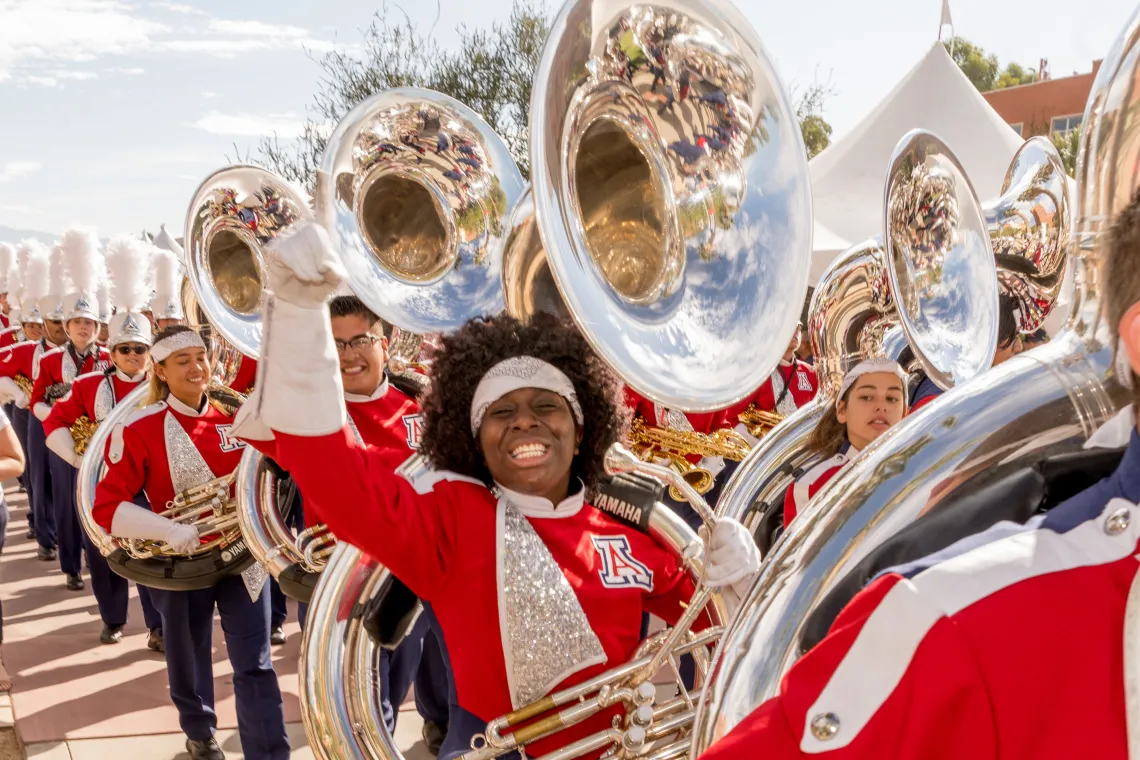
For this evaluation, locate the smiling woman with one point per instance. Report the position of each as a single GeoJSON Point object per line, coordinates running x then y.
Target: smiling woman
{"type": "Point", "coordinates": [534, 588]}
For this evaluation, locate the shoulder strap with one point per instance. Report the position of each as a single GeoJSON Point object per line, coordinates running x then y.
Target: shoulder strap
{"type": "Point", "coordinates": [629, 498]}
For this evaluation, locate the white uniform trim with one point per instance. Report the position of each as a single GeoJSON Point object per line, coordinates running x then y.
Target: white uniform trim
{"type": "Point", "coordinates": [801, 490]}
{"type": "Point", "coordinates": [885, 646]}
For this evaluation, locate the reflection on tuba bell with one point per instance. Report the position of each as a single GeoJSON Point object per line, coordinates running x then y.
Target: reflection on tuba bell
{"type": "Point", "coordinates": [1029, 225]}
{"type": "Point", "coordinates": [1043, 402]}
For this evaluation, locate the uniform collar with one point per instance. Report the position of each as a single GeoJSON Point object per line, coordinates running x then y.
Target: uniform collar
{"type": "Point", "coordinates": [379, 393]}
{"type": "Point", "coordinates": [846, 450]}
{"type": "Point", "coordinates": [541, 507]}
{"type": "Point", "coordinates": [133, 378]}
{"type": "Point", "coordinates": [187, 411]}
{"type": "Point", "coordinates": [1127, 475]}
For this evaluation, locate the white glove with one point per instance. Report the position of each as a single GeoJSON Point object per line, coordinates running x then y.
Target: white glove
{"type": "Point", "coordinates": [133, 521]}
{"type": "Point", "coordinates": [302, 268]}
{"type": "Point", "coordinates": [41, 410]}
{"type": "Point", "coordinates": [9, 391]}
{"type": "Point", "coordinates": [731, 555]}
{"type": "Point", "coordinates": [61, 442]}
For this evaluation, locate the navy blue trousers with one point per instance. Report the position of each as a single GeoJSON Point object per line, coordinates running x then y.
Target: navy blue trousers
{"type": "Point", "coordinates": [187, 628]}
{"type": "Point", "coordinates": [112, 591]}
{"type": "Point", "coordinates": [39, 482]}
{"type": "Point", "coordinates": [19, 419]}
{"type": "Point", "coordinates": [398, 671]}
{"type": "Point", "coordinates": [68, 532]}
{"type": "Point", "coordinates": [437, 681]}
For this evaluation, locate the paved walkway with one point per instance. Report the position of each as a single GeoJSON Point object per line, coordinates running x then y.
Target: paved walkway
{"type": "Point", "coordinates": [73, 698]}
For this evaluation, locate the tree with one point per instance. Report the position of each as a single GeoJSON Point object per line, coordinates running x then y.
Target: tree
{"type": "Point", "coordinates": [809, 110]}
{"type": "Point", "coordinates": [983, 70]}
{"type": "Point", "coordinates": [491, 71]}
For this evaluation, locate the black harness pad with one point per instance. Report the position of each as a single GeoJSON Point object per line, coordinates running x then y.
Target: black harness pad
{"type": "Point", "coordinates": [629, 498]}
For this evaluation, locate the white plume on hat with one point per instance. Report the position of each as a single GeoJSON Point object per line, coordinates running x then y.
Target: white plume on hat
{"type": "Point", "coordinates": [167, 303]}
{"type": "Point", "coordinates": [7, 264]}
{"type": "Point", "coordinates": [36, 278]}
{"type": "Point", "coordinates": [128, 264]}
{"type": "Point", "coordinates": [82, 258]}
{"type": "Point", "coordinates": [103, 297]}
{"type": "Point", "coordinates": [129, 267]}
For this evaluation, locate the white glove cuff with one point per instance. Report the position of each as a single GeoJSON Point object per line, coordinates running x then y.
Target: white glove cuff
{"type": "Point", "coordinates": [133, 521]}
{"type": "Point", "coordinates": [298, 389]}
{"type": "Point", "coordinates": [41, 410]}
{"type": "Point", "coordinates": [63, 445]}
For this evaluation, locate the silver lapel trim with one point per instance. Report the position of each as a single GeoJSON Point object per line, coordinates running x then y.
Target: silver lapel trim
{"type": "Point", "coordinates": [104, 399]}
{"type": "Point", "coordinates": [545, 632]}
{"type": "Point", "coordinates": [36, 355]}
{"type": "Point", "coordinates": [187, 467]}
{"type": "Point", "coordinates": [355, 431]}
{"type": "Point", "coordinates": [67, 367]}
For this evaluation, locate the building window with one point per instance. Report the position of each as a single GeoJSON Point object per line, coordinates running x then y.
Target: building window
{"type": "Point", "coordinates": [1018, 128]}
{"type": "Point", "coordinates": [1063, 125]}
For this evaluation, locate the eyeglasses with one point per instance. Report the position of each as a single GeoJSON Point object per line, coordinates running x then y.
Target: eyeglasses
{"type": "Point", "coordinates": [358, 344]}
{"type": "Point", "coordinates": [128, 350]}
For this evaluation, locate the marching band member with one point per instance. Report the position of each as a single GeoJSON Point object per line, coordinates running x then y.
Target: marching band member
{"type": "Point", "coordinates": [942, 658]}
{"type": "Point", "coordinates": [516, 425]}
{"type": "Point", "coordinates": [387, 420]}
{"type": "Point", "coordinates": [792, 385]}
{"type": "Point", "coordinates": [45, 272]}
{"type": "Point", "coordinates": [179, 441]}
{"type": "Point", "coordinates": [871, 400]}
{"type": "Point", "coordinates": [93, 396]}
{"type": "Point", "coordinates": [57, 370]}
{"type": "Point", "coordinates": [1008, 345]}
{"type": "Point", "coordinates": [166, 306]}
{"type": "Point", "coordinates": [16, 362]}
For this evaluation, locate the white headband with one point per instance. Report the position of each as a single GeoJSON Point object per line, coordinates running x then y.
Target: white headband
{"type": "Point", "coordinates": [866, 367]}
{"type": "Point", "coordinates": [520, 372]}
{"type": "Point", "coordinates": [176, 342]}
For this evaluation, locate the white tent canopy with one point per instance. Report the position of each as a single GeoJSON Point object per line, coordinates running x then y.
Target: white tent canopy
{"type": "Point", "coordinates": [847, 178]}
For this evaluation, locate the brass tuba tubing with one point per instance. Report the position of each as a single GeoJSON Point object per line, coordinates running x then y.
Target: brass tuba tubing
{"type": "Point", "coordinates": [619, 459]}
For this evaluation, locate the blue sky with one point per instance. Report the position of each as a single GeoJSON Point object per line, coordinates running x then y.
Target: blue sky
{"type": "Point", "coordinates": [112, 111]}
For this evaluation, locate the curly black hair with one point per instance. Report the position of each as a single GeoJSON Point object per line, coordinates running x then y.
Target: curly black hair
{"type": "Point", "coordinates": [463, 357]}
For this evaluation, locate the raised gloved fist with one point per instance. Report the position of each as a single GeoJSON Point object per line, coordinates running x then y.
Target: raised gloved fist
{"type": "Point", "coordinates": [731, 555]}
{"type": "Point", "coordinates": [182, 538]}
{"type": "Point", "coordinates": [302, 268]}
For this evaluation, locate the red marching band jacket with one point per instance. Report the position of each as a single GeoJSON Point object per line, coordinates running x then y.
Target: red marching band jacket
{"type": "Point", "coordinates": [164, 449]}
{"type": "Point", "coordinates": [802, 385]}
{"type": "Point", "coordinates": [93, 395]}
{"type": "Point", "coordinates": [1009, 644]}
{"type": "Point", "coordinates": [574, 580]}
{"type": "Point", "coordinates": [57, 366]}
{"type": "Point", "coordinates": [19, 359]}
{"type": "Point", "coordinates": [389, 421]}
{"type": "Point", "coordinates": [814, 478]}
{"type": "Point", "coordinates": [10, 336]}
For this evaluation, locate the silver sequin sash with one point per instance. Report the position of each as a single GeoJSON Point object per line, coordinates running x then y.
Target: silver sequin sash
{"type": "Point", "coordinates": [187, 467]}
{"type": "Point", "coordinates": [546, 635]}
{"type": "Point", "coordinates": [104, 399]}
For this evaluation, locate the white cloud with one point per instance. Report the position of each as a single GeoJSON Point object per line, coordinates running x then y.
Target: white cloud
{"type": "Point", "coordinates": [178, 8]}
{"type": "Point", "coordinates": [14, 169]}
{"type": "Point", "coordinates": [285, 125]}
{"type": "Point", "coordinates": [209, 94]}
{"type": "Point", "coordinates": [39, 81]}
{"type": "Point", "coordinates": [131, 71]}
{"type": "Point", "coordinates": [257, 29]}
{"type": "Point", "coordinates": [78, 76]}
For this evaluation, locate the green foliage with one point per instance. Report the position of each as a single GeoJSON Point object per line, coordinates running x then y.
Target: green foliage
{"type": "Point", "coordinates": [809, 110]}
{"type": "Point", "coordinates": [1067, 146]}
{"type": "Point", "coordinates": [983, 70]}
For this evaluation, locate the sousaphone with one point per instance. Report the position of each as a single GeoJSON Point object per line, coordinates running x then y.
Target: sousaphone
{"type": "Point", "coordinates": [929, 277]}
{"type": "Point", "coordinates": [234, 214]}
{"type": "Point", "coordinates": [1039, 404]}
{"type": "Point", "coordinates": [677, 252]}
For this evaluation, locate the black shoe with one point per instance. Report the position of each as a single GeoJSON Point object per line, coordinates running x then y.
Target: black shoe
{"type": "Point", "coordinates": [75, 583]}
{"type": "Point", "coordinates": [30, 534]}
{"type": "Point", "coordinates": [112, 634]}
{"type": "Point", "coordinates": [276, 636]}
{"type": "Point", "coordinates": [46, 555]}
{"type": "Point", "coordinates": [434, 734]}
{"type": "Point", "coordinates": [154, 640]}
{"type": "Point", "coordinates": [204, 750]}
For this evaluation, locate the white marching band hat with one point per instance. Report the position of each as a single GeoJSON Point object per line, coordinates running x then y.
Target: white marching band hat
{"type": "Point", "coordinates": [32, 260]}
{"type": "Point", "coordinates": [7, 265]}
{"type": "Point", "coordinates": [167, 301]}
{"type": "Point", "coordinates": [130, 273]}
{"type": "Point", "coordinates": [84, 265]}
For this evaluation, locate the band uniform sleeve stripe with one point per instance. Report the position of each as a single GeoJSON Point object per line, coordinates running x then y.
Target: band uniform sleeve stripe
{"type": "Point", "coordinates": [894, 631]}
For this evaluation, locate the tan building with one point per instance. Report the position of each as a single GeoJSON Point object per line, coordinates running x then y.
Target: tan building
{"type": "Point", "coordinates": [1051, 106]}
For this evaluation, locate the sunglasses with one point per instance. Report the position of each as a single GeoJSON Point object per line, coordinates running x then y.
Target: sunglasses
{"type": "Point", "coordinates": [128, 350]}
